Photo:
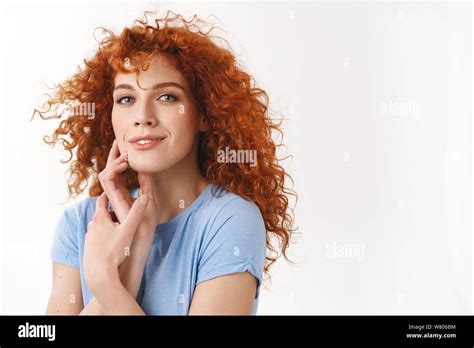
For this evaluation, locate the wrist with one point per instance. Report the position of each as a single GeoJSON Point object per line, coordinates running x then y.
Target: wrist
{"type": "Point", "coordinates": [102, 280]}
{"type": "Point", "coordinates": [111, 298]}
{"type": "Point", "coordinates": [145, 233]}
{"type": "Point", "coordinates": [131, 269]}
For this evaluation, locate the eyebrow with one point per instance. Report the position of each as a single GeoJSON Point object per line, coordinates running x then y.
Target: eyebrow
{"type": "Point", "coordinates": [155, 86]}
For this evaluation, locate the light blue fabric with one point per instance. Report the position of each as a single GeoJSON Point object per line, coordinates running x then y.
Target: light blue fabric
{"type": "Point", "coordinates": [219, 233]}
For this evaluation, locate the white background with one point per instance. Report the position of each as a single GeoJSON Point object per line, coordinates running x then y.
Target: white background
{"type": "Point", "coordinates": [385, 196]}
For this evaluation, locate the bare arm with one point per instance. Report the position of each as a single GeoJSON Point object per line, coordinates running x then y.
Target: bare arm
{"type": "Point", "coordinates": [227, 295]}
{"type": "Point", "coordinates": [117, 301]}
{"type": "Point", "coordinates": [66, 292]}
{"type": "Point", "coordinates": [92, 308]}
{"type": "Point", "coordinates": [112, 298]}
{"type": "Point", "coordinates": [231, 294]}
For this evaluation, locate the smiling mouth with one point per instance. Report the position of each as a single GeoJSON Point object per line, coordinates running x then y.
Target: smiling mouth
{"type": "Point", "coordinates": [146, 142]}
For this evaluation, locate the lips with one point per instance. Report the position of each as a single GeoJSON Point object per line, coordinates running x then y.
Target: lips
{"type": "Point", "coordinates": [146, 142]}
{"type": "Point", "coordinates": [146, 137]}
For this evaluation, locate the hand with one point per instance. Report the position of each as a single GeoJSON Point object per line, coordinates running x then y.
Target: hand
{"type": "Point", "coordinates": [107, 243]}
{"type": "Point", "coordinates": [112, 182]}
{"type": "Point", "coordinates": [149, 222]}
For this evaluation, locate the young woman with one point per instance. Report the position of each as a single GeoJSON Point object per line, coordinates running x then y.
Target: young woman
{"type": "Point", "coordinates": [185, 190]}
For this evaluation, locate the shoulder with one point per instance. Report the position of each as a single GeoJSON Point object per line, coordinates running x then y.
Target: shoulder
{"type": "Point", "coordinates": [83, 208]}
{"type": "Point", "coordinates": [234, 239]}
{"type": "Point", "coordinates": [70, 231]}
{"type": "Point", "coordinates": [232, 217]}
{"type": "Point", "coordinates": [223, 205]}
{"type": "Point", "coordinates": [79, 213]}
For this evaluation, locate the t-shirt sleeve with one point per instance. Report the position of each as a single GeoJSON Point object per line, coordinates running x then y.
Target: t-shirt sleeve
{"type": "Point", "coordinates": [235, 243]}
{"type": "Point", "coordinates": [65, 243]}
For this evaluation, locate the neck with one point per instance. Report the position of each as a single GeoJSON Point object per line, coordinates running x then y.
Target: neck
{"type": "Point", "coordinates": [176, 188]}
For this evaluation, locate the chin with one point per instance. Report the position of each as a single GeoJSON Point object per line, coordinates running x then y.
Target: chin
{"type": "Point", "coordinates": [149, 167]}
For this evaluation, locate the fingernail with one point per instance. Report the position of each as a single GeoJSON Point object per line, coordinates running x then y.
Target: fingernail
{"type": "Point", "coordinates": [126, 157]}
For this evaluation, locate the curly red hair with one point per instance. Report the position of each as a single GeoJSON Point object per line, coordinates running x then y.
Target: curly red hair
{"type": "Point", "coordinates": [236, 111]}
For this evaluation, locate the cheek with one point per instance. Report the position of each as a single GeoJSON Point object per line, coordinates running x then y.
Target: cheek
{"type": "Point", "coordinates": [119, 131]}
{"type": "Point", "coordinates": [183, 129]}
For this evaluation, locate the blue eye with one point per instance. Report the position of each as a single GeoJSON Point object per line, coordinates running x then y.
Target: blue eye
{"type": "Point", "coordinates": [173, 98]}
{"type": "Point", "coordinates": [125, 100]}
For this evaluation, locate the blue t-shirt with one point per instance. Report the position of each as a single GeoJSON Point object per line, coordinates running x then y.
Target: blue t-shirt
{"type": "Point", "coordinates": [219, 233]}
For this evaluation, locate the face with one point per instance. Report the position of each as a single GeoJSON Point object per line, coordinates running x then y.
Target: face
{"type": "Point", "coordinates": [157, 122]}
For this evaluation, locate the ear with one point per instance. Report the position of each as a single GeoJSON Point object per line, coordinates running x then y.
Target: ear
{"type": "Point", "coordinates": [203, 124]}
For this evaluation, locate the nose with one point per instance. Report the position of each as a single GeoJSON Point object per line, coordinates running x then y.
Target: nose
{"type": "Point", "coordinates": [146, 117]}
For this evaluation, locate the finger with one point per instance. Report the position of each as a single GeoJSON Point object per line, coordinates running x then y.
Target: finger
{"type": "Point", "coordinates": [119, 197]}
{"type": "Point", "coordinates": [120, 201]}
{"type": "Point", "coordinates": [145, 183]}
{"type": "Point", "coordinates": [135, 215]}
{"type": "Point", "coordinates": [113, 171]}
{"type": "Point", "coordinates": [101, 207]}
{"type": "Point", "coordinates": [119, 165]}
{"type": "Point", "coordinates": [116, 164]}
{"type": "Point", "coordinates": [121, 206]}
{"type": "Point", "coordinates": [109, 175]}
{"type": "Point", "coordinates": [120, 159]}
{"type": "Point", "coordinates": [114, 152]}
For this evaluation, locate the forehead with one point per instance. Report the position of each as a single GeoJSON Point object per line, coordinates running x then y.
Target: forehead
{"type": "Point", "coordinates": [160, 69]}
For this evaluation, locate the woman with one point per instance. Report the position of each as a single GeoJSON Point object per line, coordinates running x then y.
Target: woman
{"type": "Point", "coordinates": [178, 125]}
